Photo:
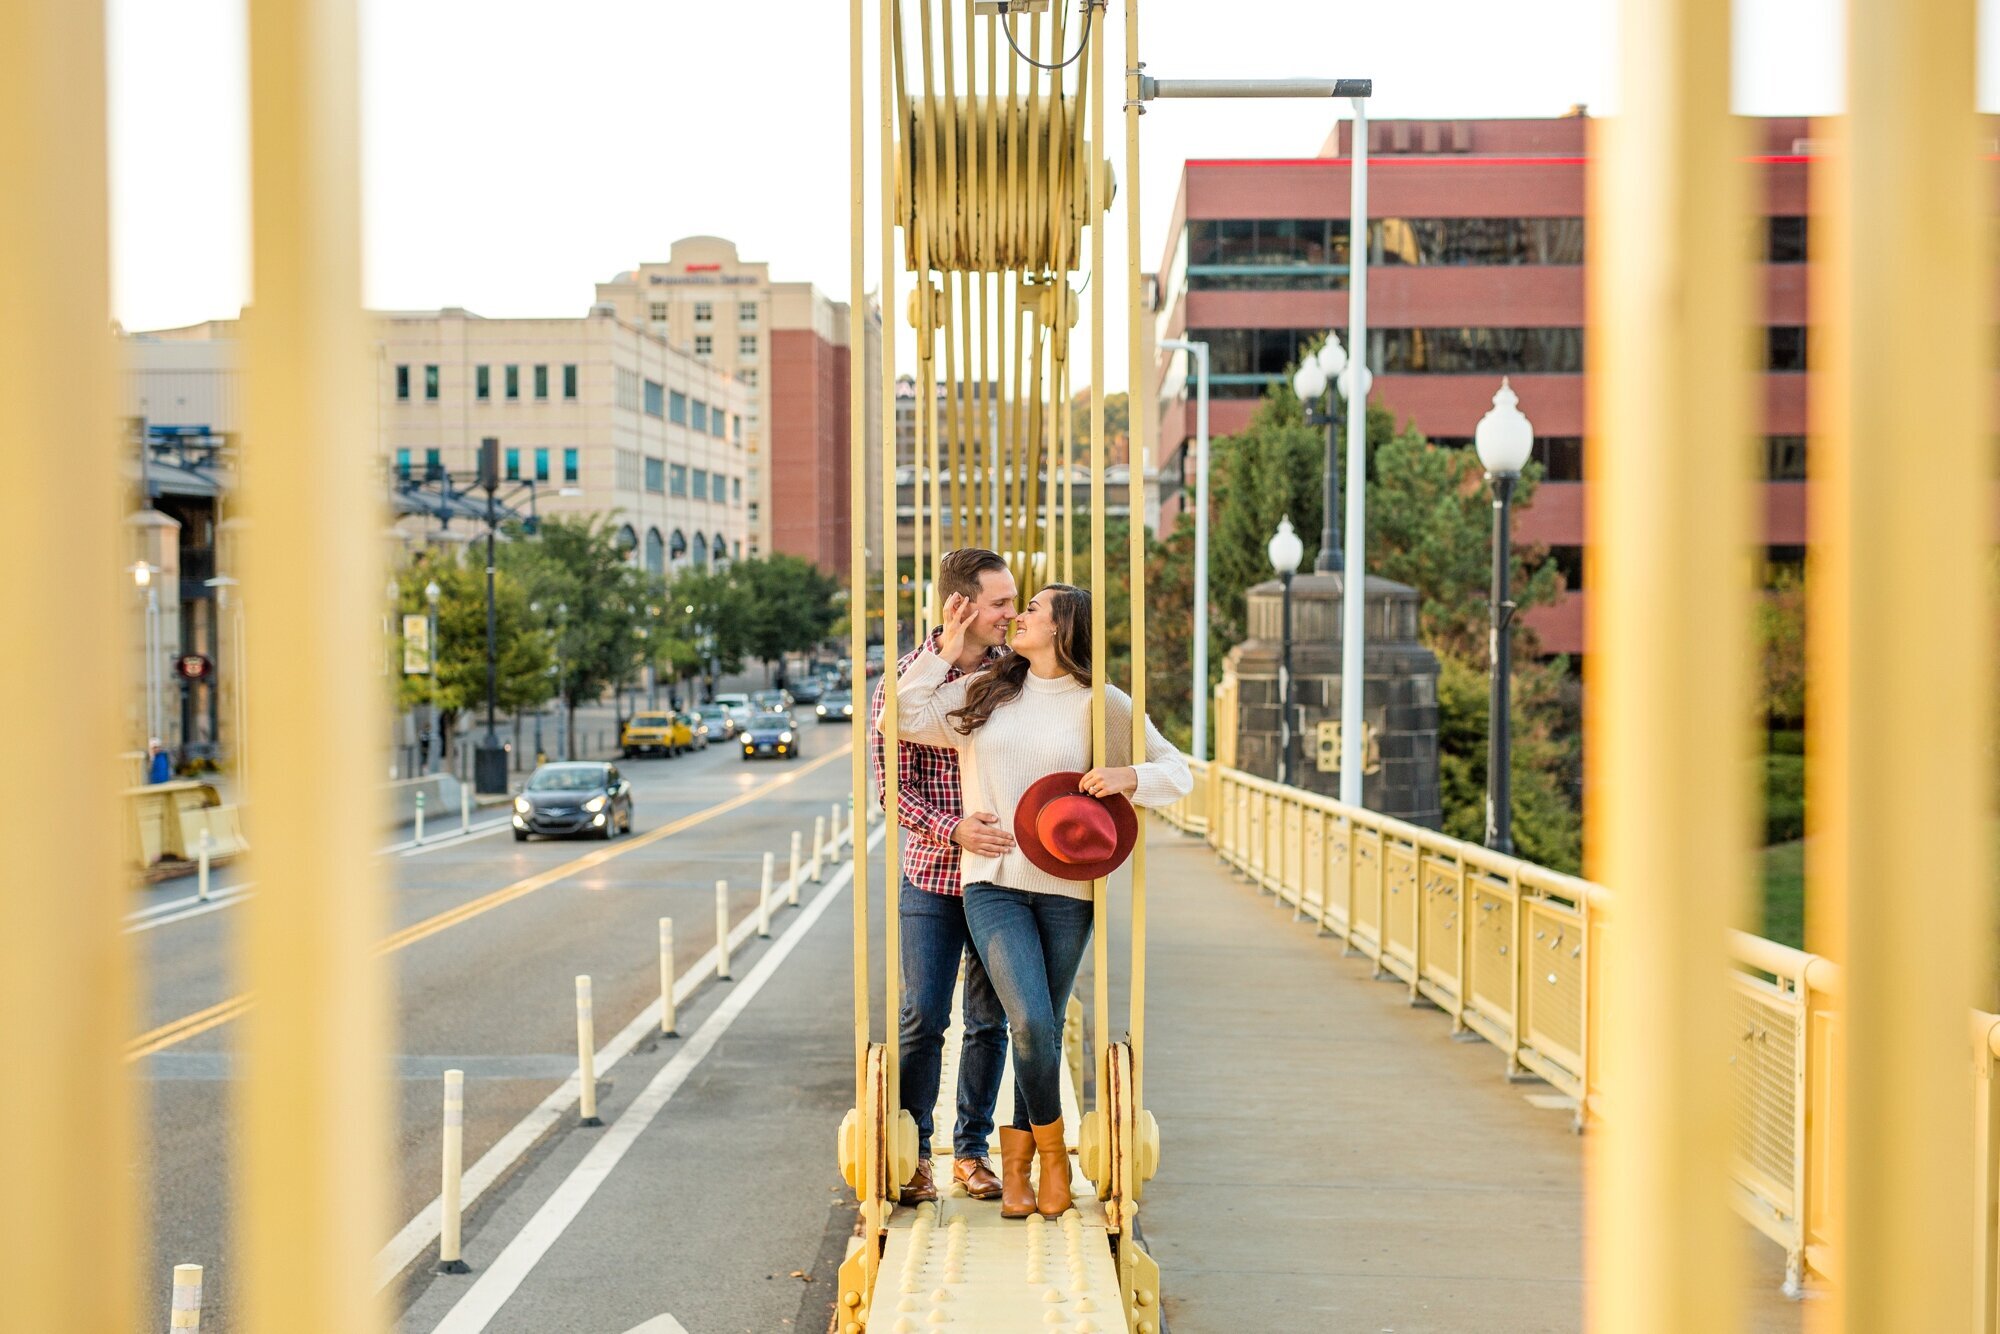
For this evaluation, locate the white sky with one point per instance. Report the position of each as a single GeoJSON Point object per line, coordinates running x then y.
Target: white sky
{"type": "Point", "coordinates": [517, 152]}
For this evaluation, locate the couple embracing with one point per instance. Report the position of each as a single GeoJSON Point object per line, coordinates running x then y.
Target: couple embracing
{"type": "Point", "coordinates": [1007, 824]}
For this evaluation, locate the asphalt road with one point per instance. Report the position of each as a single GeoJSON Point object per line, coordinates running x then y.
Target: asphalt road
{"type": "Point", "coordinates": [489, 991]}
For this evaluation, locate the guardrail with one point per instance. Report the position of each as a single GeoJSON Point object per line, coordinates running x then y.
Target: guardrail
{"type": "Point", "coordinates": [1517, 953]}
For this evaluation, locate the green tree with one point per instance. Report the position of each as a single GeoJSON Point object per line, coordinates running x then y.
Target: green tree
{"type": "Point", "coordinates": [1781, 642]}
{"type": "Point", "coordinates": [786, 605]}
{"type": "Point", "coordinates": [580, 564]}
{"type": "Point", "coordinates": [457, 682]}
{"type": "Point", "coordinates": [1117, 425]}
{"type": "Point", "coordinates": [1547, 828]}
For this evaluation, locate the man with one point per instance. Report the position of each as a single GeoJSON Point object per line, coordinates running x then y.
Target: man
{"type": "Point", "coordinates": [160, 765]}
{"type": "Point", "coordinates": [932, 903]}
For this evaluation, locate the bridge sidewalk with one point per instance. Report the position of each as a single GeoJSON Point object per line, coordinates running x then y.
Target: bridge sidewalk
{"type": "Point", "coordinates": [1331, 1158]}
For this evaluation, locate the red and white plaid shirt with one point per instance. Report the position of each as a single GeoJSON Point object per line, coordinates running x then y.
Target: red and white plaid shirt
{"type": "Point", "coordinates": [928, 801]}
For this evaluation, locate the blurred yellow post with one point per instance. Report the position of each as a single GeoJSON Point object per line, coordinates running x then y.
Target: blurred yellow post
{"type": "Point", "coordinates": [313, 1167]}
{"type": "Point", "coordinates": [69, 1230]}
{"type": "Point", "coordinates": [1901, 623]}
{"type": "Point", "coordinates": [1670, 700]}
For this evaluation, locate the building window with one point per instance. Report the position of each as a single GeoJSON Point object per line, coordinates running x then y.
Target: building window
{"type": "Point", "coordinates": [701, 416]}
{"type": "Point", "coordinates": [541, 382]}
{"type": "Point", "coordinates": [656, 552]}
{"type": "Point", "coordinates": [1475, 351]}
{"type": "Point", "coordinates": [482, 381]}
{"type": "Point", "coordinates": [677, 407]}
{"type": "Point", "coordinates": [403, 383]}
{"type": "Point", "coordinates": [701, 484]}
{"type": "Point", "coordinates": [628, 540]}
{"type": "Point", "coordinates": [704, 346]}
{"type": "Point", "coordinates": [704, 312]}
{"type": "Point", "coordinates": [718, 423]}
{"type": "Point", "coordinates": [626, 462]}
{"type": "Point", "coordinates": [433, 464]}
{"type": "Point", "coordinates": [739, 548]}
{"type": "Point", "coordinates": [656, 476]}
{"type": "Point", "coordinates": [746, 312]}
{"type": "Point", "coordinates": [655, 398]}
{"type": "Point", "coordinates": [720, 492]}
{"type": "Point", "coordinates": [751, 514]}
{"type": "Point", "coordinates": [625, 389]}
{"type": "Point", "coordinates": [1267, 242]}
{"type": "Point", "coordinates": [1785, 240]}
{"type": "Point", "coordinates": [748, 376]}
{"type": "Point", "coordinates": [746, 345]}
{"type": "Point", "coordinates": [700, 550]}
{"type": "Point", "coordinates": [403, 464]}
{"type": "Point", "coordinates": [1785, 458]}
{"type": "Point", "coordinates": [736, 485]}
{"type": "Point", "coordinates": [513, 382]}
{"type": "Point", "coordinates": [659, 311]}
{"type": "Point", "coordinates": [1569, 564]}
{"type": "Point", "coordinates": [677, 479]}
{"type": "Point", "coordinates": [513, 465]}
{"type": "Point", "coordinates": [541, 465]}
{"type": "Point", "coordinates": [1475, 241]}
{"type": "Point", "coordinates": [572, 469]}
{"type": "Point", "coordinates": [1785, 347]}
{"type": "Point", "coordinates": [569, 381]}
{"type": "Point", "coordinates": [677, 547]}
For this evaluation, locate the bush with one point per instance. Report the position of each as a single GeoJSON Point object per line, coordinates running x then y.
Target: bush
{"type": "Point", "coordinates": [1784, 798]}
{"type": "Point", "coordinates": [1786, 742]}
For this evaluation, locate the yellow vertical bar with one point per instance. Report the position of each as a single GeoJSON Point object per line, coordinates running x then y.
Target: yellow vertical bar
{"type": "Point", "coordinates": [1136, 371]}
{"type": "Point", "coordinates": [69, 1216]}
{"type": "Point", "coordinates": [312, 1189]}
{"type": "Point", "coordinates": [857, 502]}
{"type": "Point", "coordinates": [1094, 166]}
{"type": "Point", "coordinates": [1669, 622]}
{"type": "Point", "coordinates": [892, 976]}
{"type": "Point", "coordinates": [1905, 502]}
{"type": "Point", "coordinates": [954, 388]}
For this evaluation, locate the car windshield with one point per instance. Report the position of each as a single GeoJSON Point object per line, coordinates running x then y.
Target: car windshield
{"type": "Point", "coordinates": [773, 720]}
{"type": "Point", "coordinates": [568, 778]}
{"type": "Point", "coordinates": [834, 701]}
{"type": "Point", "coordinates": [650, 720]}
{"type": "Point", "coordinates": [712, 711]}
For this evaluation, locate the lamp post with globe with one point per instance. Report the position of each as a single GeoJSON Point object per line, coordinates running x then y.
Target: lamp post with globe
{"type": "Point", "coordinates": [1327, 374]}
{"type": "Point", "coordinates": [1504, 438]}
{"type": "Point", "coordinates": [1285, 551]}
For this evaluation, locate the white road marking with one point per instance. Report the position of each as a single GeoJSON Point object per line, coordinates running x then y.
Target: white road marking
{"type": "Point", "coordinates": [165, 914]}
{"type": "Point", "coordinates": [659, 1324]}
{"type": "Point", "coordinates": [512, 1266]}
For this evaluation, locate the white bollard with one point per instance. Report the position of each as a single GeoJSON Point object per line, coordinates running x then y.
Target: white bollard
{"type": "Point", "coordinates": [449, 1260]}
{"type": "Point", "coordinates": [187, 1298]}
{"type": "Point", "coordinates": [420, 817]}
{"type": "Point", "coordinates": [819, 845]}
{"type": "Point", "coordinates": [586, 1051]}
{"type": "Point", "coordinates": [464, 809]}
{"type": "Point", "coordinates": [201, 868]}
{"type": "Point", "coordinates": [764, 899]}
{"type": "Point", "coordinates": [833, 832]}
{"type": "Point", "coordinates": [792, 885]}
{"type": "Point", "coordinates": [667, 1018]}
{"type": "Point", "coordinates": [722, 930]}
{"type": "Point", "coordinates": [853, 844]}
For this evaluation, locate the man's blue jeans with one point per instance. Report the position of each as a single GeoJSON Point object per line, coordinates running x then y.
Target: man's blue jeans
{"type": "Point", "coordinates": [934, 940]}
{"type": "Point", "coordinates": [1032, 945]}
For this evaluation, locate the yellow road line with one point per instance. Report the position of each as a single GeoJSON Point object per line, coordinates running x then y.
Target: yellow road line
{"type": "Point", "coordinates": [201, 1021]}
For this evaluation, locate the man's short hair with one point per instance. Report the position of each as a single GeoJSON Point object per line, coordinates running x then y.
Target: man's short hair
{"type": "Point", "coordinates": [960, 572]}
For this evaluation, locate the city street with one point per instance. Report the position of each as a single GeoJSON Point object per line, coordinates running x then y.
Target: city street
{"type": "Point", "coordinates": [487, 937]}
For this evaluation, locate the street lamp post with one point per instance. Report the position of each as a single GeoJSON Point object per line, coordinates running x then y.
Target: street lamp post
{"type": "Point", "coordinates": [1503, 438]}
{"type": "Point", "coordinates": [490, 764]}
{"type": "Point", "coordinates": [1320, 375]}
{"type": "Point", "coordinates": [1354, 587]}
{"type": "Point", "coordinates": [1285, 551]}
{"type": "Point", "coordinates": [1198, 699]}
{"type": "Point", "coordinates": [431, 763]}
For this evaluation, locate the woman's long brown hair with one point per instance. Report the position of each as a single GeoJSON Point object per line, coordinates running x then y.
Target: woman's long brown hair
{"type": "Point", "coordinates": [998, 684]}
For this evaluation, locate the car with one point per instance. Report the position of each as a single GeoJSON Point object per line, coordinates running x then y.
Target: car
{"type": "Point", "coordinates": [575, 797]}
{"type": "Point", "coordinates": [697, 729]}
{"type": "Point", "coordinates": [771, 733]}
{"type": "Point", "coordinates": [764, 701]}
{"type": "Point", "coordinates": [835, 707]}
{"type": "Point", "coordinates": [722, 724]}
{"type": "Point", "coordinates": [658, 733]}
{"type": "Point", "coordinates": [806, 690]}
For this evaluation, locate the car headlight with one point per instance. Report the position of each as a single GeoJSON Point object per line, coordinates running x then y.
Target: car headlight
{"type": "Point", "coordinates": [594, 804]}
{"type": "Point", "coordinates": [847, 710]}
{"type": "Point", "coordinates": [784, 736]}
{"type": "Point", "coordinates": [822, 710]}
{"type": "Point", "coordinates": [523, 806]}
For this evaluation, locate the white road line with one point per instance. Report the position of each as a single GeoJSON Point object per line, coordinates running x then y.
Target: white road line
{"type": "Point", "coordinates": [512, 1266]}
{"type": "Point", "coordinates": [417, 1234]}
{"type": "Point", "coordinates": [659, 1324]}
{"type": "Point", "coordinates": [163, 914]}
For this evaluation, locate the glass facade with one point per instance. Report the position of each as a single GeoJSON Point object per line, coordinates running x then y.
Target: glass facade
{"type": "Point", "coordinates": [677, 479]}
{"type": "Point", "coordinates": [571, 469]}
{"type": "Point", "coordinates": [1785, 458]}
{"type": "Point", "coordinates": [513, 465]}
{"type": "Point", "coordinates": [569, 381]}
{"type": "Point", "coordinates": [1785, 347]}
{"type": "Point", "coordinates": [1475, 241]}
{"type": "Point", "coordinates": [656, 476]}
{"type": "Point", "coordinates": [654, 400]}
{"type": "Point", "coordinates": [541, 465]}
{"type": "Point", "coordinates": [482, 381]}
{"type": "Point", "coordinates": [1785, 240]}
{"type": "Point", "coordinates": [513, 382]}
{"type": "Point", "coordinates": [700, 416]}
{"type": "Point", "coordinates": [1311, 254]}
{"type": "Point", "coordinates": [1475, 351]}
{"type": "Point", "coordinates": [403, 382]}
{"type": "Point", "coordinates": [701, 484]}
{"type": "Point", "coordinates": [541, 382]}
{"type": "Point", "coordinates": [430, 382]}
{"type": "Point", "coordinates": [677, 407]}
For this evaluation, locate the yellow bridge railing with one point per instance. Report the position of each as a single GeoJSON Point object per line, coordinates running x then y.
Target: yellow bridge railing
{"type": "Point", "coordinates": [1518, 954]}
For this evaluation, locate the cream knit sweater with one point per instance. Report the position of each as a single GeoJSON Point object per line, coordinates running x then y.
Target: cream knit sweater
{"type": "Point", "coordinates": [1043, 730]}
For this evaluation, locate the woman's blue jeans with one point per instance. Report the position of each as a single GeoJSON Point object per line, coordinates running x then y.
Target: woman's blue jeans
{"type": "Point", "coordinates": [1031, 945]}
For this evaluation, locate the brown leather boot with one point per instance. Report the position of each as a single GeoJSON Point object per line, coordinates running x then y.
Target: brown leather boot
{"type": "Point", "coordinates": [1017, 1153]}
{"type": "Point", "coordinates": [922, 1187]}
{"type": "Point", "coordinates": [975, 1177]}
{"type": "Point", "coordinates": [1052, 1197]}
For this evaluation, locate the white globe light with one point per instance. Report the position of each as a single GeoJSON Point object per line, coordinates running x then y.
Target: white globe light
{"type": "Point", "coordinates": [1308, 382]}
{"type": "Point", "coordinates": [1504, 437]}
{"type": "Point", "coordinates": [1286, 551]}
{"type": "Point", "coordinates": [1332, 357]}
{"type": "Point", "coordinates": [1355, 368]}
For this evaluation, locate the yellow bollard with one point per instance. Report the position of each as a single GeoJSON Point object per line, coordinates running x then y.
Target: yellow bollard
{"type": "Point", "coordinates": [586, 1052]}
{"type": "Point", "coordinates": [187, 1298]}
{"type": "Point", "coordinates": [420, 818]}
{"type": "Point", "coordinates": [722, 930]}
{"type": "Point", "coordinates": [792, 884]}
{"type": "Point", "coordinates": [819, 846]}
{"type": "Point", "coordinates": [201, 868]}
{"type": "Point", "coordinates": [667, 1018]}
{"type": "Point", "coordinates": [454, 1168]}
{"type": "Point", "coordinates": [764, 900]}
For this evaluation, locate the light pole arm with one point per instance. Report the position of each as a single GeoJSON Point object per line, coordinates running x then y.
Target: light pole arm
{"type": "Point", "coordinates": [1151, 88]}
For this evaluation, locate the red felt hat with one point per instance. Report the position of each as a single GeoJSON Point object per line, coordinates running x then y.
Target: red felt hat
{"type": "Point", "coordinates": [1071, 834]}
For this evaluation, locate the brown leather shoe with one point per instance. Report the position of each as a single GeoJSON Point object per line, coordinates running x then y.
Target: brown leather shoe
{"type": "Point", "coordinates": [1017, 1152]}
{"type": "Point", "coordinates": [922, 1188]}
{"type": "Point", "coordinates": [1052, 1197]}
{"type": "Point", "coordinates": [976, 1177]}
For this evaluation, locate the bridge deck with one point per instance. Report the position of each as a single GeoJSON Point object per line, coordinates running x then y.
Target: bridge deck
{"type": "Point", "coordinates": [1331, 1158]}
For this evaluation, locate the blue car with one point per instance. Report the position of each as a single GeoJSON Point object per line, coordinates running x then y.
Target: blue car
{"type": "Point", "coordinates": [771, 733]}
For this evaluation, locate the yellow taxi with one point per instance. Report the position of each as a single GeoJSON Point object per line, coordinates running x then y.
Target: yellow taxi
{"type": "Point", "coordinates": [660, 733]}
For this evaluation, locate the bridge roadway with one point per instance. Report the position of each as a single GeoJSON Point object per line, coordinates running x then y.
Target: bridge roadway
{"type": "Point", "coordinates": [1332, 1159]}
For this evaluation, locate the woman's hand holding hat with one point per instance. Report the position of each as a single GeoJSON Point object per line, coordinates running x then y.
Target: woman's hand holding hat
{"type": "Point", "coordinates": [1116, 781]}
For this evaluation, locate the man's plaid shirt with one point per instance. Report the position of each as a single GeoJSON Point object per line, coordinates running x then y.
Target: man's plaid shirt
{"type": "Point", "coordinates": [928, 801]}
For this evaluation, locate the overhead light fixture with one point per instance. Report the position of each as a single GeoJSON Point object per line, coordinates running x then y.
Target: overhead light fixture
{"type": "Point", "coordinates": [1000, 8]}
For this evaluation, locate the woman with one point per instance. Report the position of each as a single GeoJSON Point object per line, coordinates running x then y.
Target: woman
{"type": "Point", "coordinates": [1020, 720]}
